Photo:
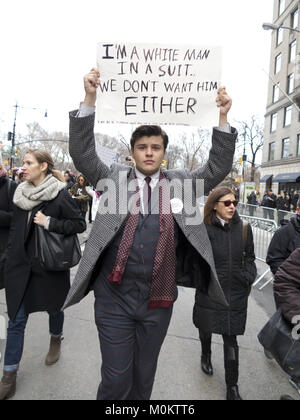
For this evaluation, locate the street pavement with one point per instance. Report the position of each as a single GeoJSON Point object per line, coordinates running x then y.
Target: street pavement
{"type": "Point", "coordinates": [179, 377]}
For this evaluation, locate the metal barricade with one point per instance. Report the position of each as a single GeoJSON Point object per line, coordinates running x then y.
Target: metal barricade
{"type": "Point", "coordinates": [263, 231]}
{"type": "Point", "coordinates": [264, 212]}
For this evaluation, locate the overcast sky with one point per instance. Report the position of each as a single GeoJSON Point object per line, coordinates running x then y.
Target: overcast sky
{"type": "Point", "coordinates": [47, 47]}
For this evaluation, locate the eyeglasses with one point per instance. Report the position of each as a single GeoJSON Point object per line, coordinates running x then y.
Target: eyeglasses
{"type": "Point", "coordinates": [228, 203]}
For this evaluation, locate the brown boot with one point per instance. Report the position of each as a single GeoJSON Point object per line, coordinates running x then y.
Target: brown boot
{"type": "Point", "coordinates": [54, 351]}
{"type": "Point", "coordinates": [8, 385]}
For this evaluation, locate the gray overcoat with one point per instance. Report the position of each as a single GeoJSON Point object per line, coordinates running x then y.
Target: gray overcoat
{"type": "Point", "coordinates": [195, 262]}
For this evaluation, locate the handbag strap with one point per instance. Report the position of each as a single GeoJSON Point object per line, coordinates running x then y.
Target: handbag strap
{"type": "Point", "coordinates": [245, 239]}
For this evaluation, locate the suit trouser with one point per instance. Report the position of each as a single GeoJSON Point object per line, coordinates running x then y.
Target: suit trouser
{"type": "Point", "coordinates": [131, 337]}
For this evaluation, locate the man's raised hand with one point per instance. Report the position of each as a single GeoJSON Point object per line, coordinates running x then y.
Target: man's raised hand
{"type": "Point", "coordinates": [91, 84]}
{"type": "Point", "coordinates": [224, 103]}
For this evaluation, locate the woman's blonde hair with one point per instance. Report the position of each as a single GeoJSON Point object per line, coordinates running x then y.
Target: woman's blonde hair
{"type": "Point", "coordinates": [44, 157]}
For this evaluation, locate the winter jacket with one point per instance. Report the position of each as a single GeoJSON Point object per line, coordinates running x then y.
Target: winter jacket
{"type": "Point", "coordinates": [236, 275]}
{"type": "Point", "coordinates": [283, 204]}
{"type": "Point", "coordinates": [252, 199]}
{"type": "Point", "coordinates": [24, 278]}
{"type": "Point", "coordinates": [287, 286]}
{"type": "Point", "coordinates": [284, 242]}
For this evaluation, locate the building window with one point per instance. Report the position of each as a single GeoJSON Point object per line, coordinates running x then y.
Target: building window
{"type": "Point", "coordinates": [278, 63]}
{"type": "Point", "coordinates": [271, 151]}
{"type": "Point", "coordinates": [276, 93]}
{"type": "Point", "coordinates": [285, 148]}
{"type": "Point", "coordinates": [293, 51]}
{"type": "Point", "coordinates": [281, 7]}
{"type": "Point", "coordinates": [288, 116]}
{"type": "Point", "coordinates": [291, 83]}
{"type": "Point", "coordinates": [274, 119]}
{"type": "Point", "coordinates": [298, 145]}
{"type": "Point", "coordinates": [295, 19]}
{"type": "Point", "coordinates": [279, 36]}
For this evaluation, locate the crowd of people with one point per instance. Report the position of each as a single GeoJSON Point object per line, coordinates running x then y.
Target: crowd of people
{"type": "Point", "coordinates": [272, 204]}
{"type": "Point", "coordinates": [133, 261]}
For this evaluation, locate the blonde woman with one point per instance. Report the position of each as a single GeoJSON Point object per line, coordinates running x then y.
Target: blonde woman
{"type": "Point", "coordinates": [40, 201]}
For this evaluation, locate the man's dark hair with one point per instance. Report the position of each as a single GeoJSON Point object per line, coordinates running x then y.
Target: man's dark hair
{"type": "Point", "coordinates": [149, 131]}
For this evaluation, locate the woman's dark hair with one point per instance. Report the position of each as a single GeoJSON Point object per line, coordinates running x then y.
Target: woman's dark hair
{"type": "Point", "coordinates": [214, 197]}
{"type": "Point", "coordinates": [149, 131]}
{"type": "Point", "coordinates": [84, 179]}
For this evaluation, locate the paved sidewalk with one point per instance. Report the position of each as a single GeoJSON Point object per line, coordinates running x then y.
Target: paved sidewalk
{"type": "Point", "coordinates": [179, 376]}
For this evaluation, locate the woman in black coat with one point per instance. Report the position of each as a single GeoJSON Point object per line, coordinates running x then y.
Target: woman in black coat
{"type": "Point", "coordinates": [233, 249]}
{"type": "Point", "coordinates": [42, 200]}
{"type": "Point", "coordinates": [7, 189]}
{"type": "Point", "coordinates": [80, 194]}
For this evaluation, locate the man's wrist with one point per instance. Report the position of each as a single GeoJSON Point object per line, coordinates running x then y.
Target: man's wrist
{"type": "Point", "coordinates": [223, 120]}
{"type": "Point", "coordinates": [90, 100]}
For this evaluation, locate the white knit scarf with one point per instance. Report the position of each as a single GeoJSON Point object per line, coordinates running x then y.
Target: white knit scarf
{"type": "Point", "coordinates": [27, 196]}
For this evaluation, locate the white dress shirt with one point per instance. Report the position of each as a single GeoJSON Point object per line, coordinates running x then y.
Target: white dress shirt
{"type": "Point", "coordinates": [141, 181]}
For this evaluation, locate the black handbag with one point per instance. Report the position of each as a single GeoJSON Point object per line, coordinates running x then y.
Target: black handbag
{"type": "Point", "coordinates": [277, 338]}
{"type": "Point", "coordinates": [57, 252]}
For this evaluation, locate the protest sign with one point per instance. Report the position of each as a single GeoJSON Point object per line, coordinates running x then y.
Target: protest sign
{"type": "Point", "coordinates": [158, 84]}
{"type": "Point", "coordinates": [107, 156]}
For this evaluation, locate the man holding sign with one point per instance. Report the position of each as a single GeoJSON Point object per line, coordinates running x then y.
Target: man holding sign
{"type": "Point", "coordinates": [143, 245]}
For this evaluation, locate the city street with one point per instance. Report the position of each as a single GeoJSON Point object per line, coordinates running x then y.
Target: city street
{"type": "Point", "coordinates": [179, 377]}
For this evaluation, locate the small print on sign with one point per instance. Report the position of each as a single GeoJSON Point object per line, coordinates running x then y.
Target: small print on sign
{"type": "Point", "coordinates": [158, 84]}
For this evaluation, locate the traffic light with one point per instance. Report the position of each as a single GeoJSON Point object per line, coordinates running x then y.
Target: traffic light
{"type": "Point", "coordinates": [10, 136]}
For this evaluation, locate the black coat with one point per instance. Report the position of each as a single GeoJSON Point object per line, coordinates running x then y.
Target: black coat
{"type": "Point", "coordinates": [284, 243]}
{"type": "Point", "coordinates": [283, 204]}
{"type": "Point", "coordinates": [7, 190]}
{"type": "Point", "coordinates": [235, 277]}
{"type": "Point", "coordinates": [25, 279]}
{"type": "Point", "coordinates": [6, 209]}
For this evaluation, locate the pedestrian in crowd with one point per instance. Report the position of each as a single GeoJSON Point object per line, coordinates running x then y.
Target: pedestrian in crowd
{"type": "Point", "coordinates": [287, 294]}
{"type": "Point", "coordinates": [9, 174]}
{"type": "Point", "coordinates": [271, 204]}
{"type": "Point", "coordinates": [264, 205]}
{"type": "Point", "coordinates": [68, 180]}
{"type": "Point", "coordinates": [252, 202]}
{"type": "Point", "coordinates": [282, 205]}
{"type": "Point", "coordinates": [94, 201]}
{"type": "Point", "coordinates": [284, 242]}
{"type": "Point", "coordinates": [90, 191]}
{"type": "Point", "coordinates": [7, 190]}
{"type": "Point", "coordinates": [295, 200]}
{"type": "Point", "coordinates": [135, 256]}
{"type": "Point", "coordinates": [79, 193]}
{"type": "Point", "coordinates": [40, 201]}
{"type": "Point", "coordinates": [233, 249]}
{"type": "Point", "coordinates": [288, 202]}
{"type": "Point", "coordinates": [20, 177]}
